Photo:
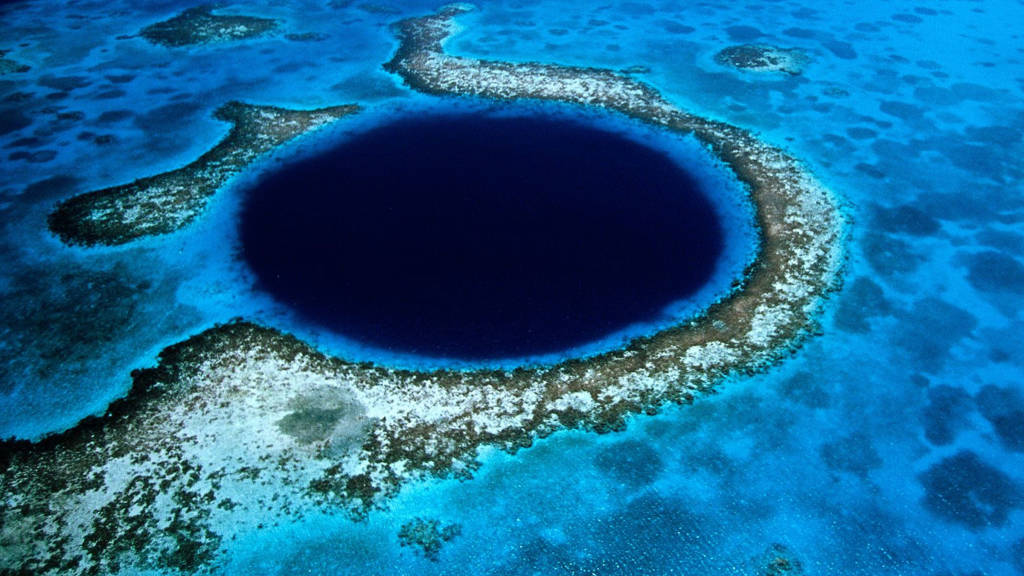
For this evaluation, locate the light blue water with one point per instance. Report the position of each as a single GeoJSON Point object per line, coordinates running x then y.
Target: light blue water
{"type": "Point", "coordinates": [892, 444]}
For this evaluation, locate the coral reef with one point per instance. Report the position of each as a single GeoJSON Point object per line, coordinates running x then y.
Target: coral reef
{"type": "Point", "coordinates": [763, 58]}
{"type": "Point", "coordinates": [243, 422]}
{"type": "Point", "coordinates": [779, 560]}
{"type": "Point", "coordinates": [166, 202]}
{"type": "Point", "coordinates": [200, 25]}
{"type": "Point", "coordinates": [427, 535]}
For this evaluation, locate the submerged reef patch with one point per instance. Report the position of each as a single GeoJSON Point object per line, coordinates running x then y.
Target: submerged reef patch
{"type": "Point", "coordinates": [166, 202]}
{"type": "Point", "coordinates": [763, 58]}
{"type": "Point", "coordinates": [779, 560]}
{"type": "Point", "coordinates": [209, 443]}
{"type": "Point", "coordinates": [967, 490]}
{"type": "Point", "coordinates": [427, 536]}
{"type": "Point", "coordinates": [200, 25]}
{"type": "Point", "coordinates": [8, 66]}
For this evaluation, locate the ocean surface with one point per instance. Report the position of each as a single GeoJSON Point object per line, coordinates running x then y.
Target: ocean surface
{"type": "Point", "coordinates": [890, 443]}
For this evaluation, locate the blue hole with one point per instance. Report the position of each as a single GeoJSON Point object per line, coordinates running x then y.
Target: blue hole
{"type": "Point", "coordinates": [476, 237]}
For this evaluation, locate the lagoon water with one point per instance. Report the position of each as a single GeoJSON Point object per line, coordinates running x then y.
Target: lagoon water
{"type": "Point", "coordinates": [891, 443]}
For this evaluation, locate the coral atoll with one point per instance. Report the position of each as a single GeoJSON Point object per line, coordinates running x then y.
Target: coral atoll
{"type": "Point", "coordinates": [243, 426]}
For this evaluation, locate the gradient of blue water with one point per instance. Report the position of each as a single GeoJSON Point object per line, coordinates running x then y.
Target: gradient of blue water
{"type": "Point", "coordinates": [480, 237]}
{"type": "Point", "coordinates": [889, 445]}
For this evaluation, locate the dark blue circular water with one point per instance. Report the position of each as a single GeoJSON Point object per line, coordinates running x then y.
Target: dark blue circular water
{"type": "Point", "coordinates": [478, 237]}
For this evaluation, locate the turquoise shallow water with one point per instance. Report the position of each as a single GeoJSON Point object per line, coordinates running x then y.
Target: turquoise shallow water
{"type": "Point", "coordinates": [891, 444]}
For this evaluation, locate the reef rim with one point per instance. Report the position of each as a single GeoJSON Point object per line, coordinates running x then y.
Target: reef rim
{"type": "Point", "coordinates": [244, 426]}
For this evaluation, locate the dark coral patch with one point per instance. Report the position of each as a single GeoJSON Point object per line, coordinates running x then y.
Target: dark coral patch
{"type": "Point", "coordinates": [1004, 409]}
{"type": "Point", "coordinates": [12, 67]}
{"type": "Point", "coordinates": [120, 78]}
{"type": "Point", "coordinates": [965, 489]}
{"type": "Point", "coordinates": [201, 26]}
{"type": "Point", "coordinates": [800, 32]}
{"type": "Point", "coordinates": [38, 157]}
{"type": "Point", "coordinates": [1002, 241]}
{"type": "Point", "coordinates": [946, 414]}
{"type": "Point", "coordinates": [743, 33]}
{"type": "Point", "coordinates": [871, 170]}
{"type": "Point", "coordinates": [29, 142]}
{"type": "Point", "coordinates": [853, 453]}
{"type": "Point", "coordinates": [931, 328]}
{"type": "Point", "coordinates": [905, 219]}
{"type": "Point", "coordinates": [165, 118]}
{"type": "Point", "coordinates": [861, 302]}
{"type": "Point", "coordinates": [890, 256]}
{"type": "Point", "coordinates": [991, 271]}
{"type": "Point", "coordinates": [762, 57]}
{"type": "Point", "coordinates": [630, 462]}
{"type": "Point", "coordinates": [305, 37]}
{"type": "Point", "coordinates": [64, 83]}
{"type": "Point", "coordinates": [807, 389]}
{"type": "Point", "coordinates": [52, 187]}
{"type": "Point", "coordinates": [427, 536]}
{"type": "Point", "coordinates": [111, 116]}
{"type": "Point", "coordinates": [907, 18]}
{"type": "Point", "coordinates": [664, 537]}
{"type": "Point", "coordinates": [995, 135]}
{"type": "Point", "coordinates": [779, 560]}
{"type": "Point", "coordinates": [110, 94]}
{"type": "Point", "coordinates": [843, 50]}
{"type": "Point", "coordinates": [12, 120]}
{"type": "Point", "coordinates": [676, 28]}
{"type": "Point", "coordinates": [975, 92]}
{"type": "Point", "coordinates": [805, 13]}
{"type": "Point", "coordinates": [861, 133]}
{"type": "Point", "coordinates": [901, 110]}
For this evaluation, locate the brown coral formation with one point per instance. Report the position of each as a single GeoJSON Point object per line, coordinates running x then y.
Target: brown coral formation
{"type": "Point", "coordinates": [166, 202]}
{"type": "Point", "coordinates": [763, 58]}
{"type": "Point", "coordinates": [200, 25]}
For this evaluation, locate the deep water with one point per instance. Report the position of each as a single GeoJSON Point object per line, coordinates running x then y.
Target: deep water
{"type": "Point", "coordinates": [478, 237]}
{"type": "Point", "coordinates": [889, 444]}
